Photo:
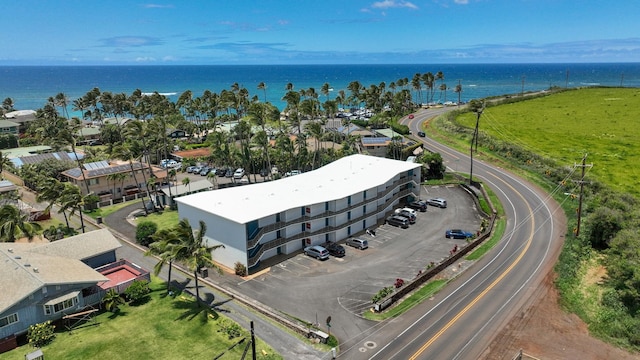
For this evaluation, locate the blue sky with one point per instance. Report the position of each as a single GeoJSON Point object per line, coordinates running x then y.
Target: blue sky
{"type": "Point", "coordinates": [201, 32]}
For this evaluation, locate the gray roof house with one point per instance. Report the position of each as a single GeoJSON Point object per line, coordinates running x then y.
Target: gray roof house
{"type": "Point", "coordinates": [46, 281]}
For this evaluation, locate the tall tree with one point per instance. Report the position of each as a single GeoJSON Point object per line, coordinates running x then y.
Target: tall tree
{"type": "Point", "coordinates": [14, 223]}
{"type": "Point", "coordinates": [162, 244]}
{"type": "Point", "coordinates": [193, 251]}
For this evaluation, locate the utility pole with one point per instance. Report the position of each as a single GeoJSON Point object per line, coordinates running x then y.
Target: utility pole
{"type": "Point", "coordinates": [581, 182]}
{"type": "Point", "coordinates": [478, 108]}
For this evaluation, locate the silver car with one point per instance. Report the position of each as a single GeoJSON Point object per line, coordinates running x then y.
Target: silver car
{"type": "Point", "coordinates": [357, 243]}
{"type": "Point", "coordinates": [317, 252]}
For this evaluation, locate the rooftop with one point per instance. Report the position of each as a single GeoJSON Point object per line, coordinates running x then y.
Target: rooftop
{"type": "Point", "coordinates": [334, 181]}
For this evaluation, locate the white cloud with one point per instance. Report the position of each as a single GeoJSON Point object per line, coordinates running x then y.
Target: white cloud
{"type": "Point", "coordinates": [386, 4]}
{"type": "Point", "coordinates": [461, 2]}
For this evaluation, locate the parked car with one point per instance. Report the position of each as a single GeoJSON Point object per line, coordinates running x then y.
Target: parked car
{"type": "Point", "coordinates": [204, 171]}
{"type": "Point", "coordinates": [406, 209]}
{"type": "Point", "coordinates": [457, 234]}
{"type": "Point", "coordinates": [197, 169]}
{"type": "Point", "coordinates": [229, 173]}
{"type": "Point", "coordinates": [421, 134]}
{"type": "Point", "coordinates": [264, 172]}
{"type": "Point", "coordinates": [335, 249]}
{"type": "Point", "coordinates": [438, 202]}
{"type": "Point", "coordinates": [317, 252]}
{"type": "Point", "coordinates": [293, 173]}
{"type": "Point", "coordinates": [239, 173]}
{"type": "Point", "coordinates": [408, 215]}
{"type": "Point", "coordinates": [190, 169]}
{"type": "Point", "coordinates": [221, 171]}
{"type": "Point", "coordinates": [418, 205]}
{"type": "Point", "coordinates": [399, 221]}
{"type": "Point", "coordinates": [357, 243]}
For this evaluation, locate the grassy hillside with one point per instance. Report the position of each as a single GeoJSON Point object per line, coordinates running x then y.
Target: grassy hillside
{"type": "Point", "coordinates": [601, 122]}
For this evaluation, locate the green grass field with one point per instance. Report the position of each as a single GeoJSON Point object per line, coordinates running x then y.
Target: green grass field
{"type": "Point", "coordinates": [601, 122]}
{"type": "Point", "coordinates": [163, 328]}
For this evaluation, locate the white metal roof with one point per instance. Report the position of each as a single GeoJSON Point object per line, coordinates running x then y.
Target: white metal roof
{"type": "Point", "coordinates": [336, 180]}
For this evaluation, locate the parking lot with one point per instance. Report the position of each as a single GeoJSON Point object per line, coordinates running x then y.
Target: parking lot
{"type": "Point", "coordinates": [311, 290]}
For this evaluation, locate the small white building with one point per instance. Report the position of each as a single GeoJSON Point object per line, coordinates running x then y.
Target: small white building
{"type": "Point", "coordinates": [261, 221]}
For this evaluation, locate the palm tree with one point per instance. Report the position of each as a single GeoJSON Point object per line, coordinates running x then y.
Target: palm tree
{"type": "Point", "coordinates": [71, 199]}
{"type": "Point", "coordinates": [192, 249]}
{"type": "Point", "coordinates": [49, 191]}
{"type": "Point", "coordinates": [13, 223]}
{"type": "Point", "coordinates": [262, 86]}
{"type": "Point", "coordinates": [112, 300]}
{"type": "Point", "coordinates": [161, 246]}
{"type": "Point", "coordinates": [187, 182]}
{"type": "Point", "coordinates": [4, 163]}
{"type": "Point", "coordinates": [125, 152]}
{"type": "Point", "coordinates": [458, 90]}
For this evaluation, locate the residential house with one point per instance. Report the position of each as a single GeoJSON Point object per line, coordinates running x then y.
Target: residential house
{"type": "Point", "coordinates": [46, 281]}
{"type": "Point", "coordinates": [113, 180]}
{"type": "Point", "coordinates": [21, 117]}
{"type": "Point", "coordinates": [9, 128]}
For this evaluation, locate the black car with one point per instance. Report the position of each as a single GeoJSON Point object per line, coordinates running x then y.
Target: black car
{"type": "Point", "coordinates": [264, 172]}
{"type": "Point", "coordinates": [221, 171]}
{"type": "Point", "coordinates": [229, 173]}
{"type": "Point", "coordinates": [421, 134]}
{"type": "Point", "coordinates": [418, 205]}
{"type": "Point", "coordinates": [334, 249]}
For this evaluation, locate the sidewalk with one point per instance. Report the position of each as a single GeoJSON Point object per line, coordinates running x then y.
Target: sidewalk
{"type": "Point", "coordinates": [288, 345]}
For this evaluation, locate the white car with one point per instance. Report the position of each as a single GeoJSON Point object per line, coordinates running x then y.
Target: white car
{"type": "Point", "coordinates": [293, 172]}
{"type": "Point", "coordinates": [409, 210]}
{"type": "Point", "coordinates": [239, 173]}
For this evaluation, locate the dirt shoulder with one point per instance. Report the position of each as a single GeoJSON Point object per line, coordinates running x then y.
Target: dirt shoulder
{"type": "Point", "coordinates": [545, 331]}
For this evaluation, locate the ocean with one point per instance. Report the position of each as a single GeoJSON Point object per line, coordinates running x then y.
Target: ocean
{"type": "Point", "coordinates": [30, 87]}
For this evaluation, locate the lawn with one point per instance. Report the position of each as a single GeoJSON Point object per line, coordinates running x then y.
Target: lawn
{"type": "Point", "coordinates": [164, 219]}
{"type": "Point", "coordinates": [600, 122]}
{"type": "Point", "coordinates": [164, 327]}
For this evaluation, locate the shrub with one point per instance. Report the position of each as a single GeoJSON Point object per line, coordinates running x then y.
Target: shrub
{"type": "Point", "coordinates": [382, 294]}
{"type": "Point", "coordinates": [144, 231]}
{"type": "Point", "coordinates": [112, 301]}
{"type": "Point", "coordinates": [230, 328]}
{"type": "Point", "coordinates": [41, 334]}
{"type": "Point", "coordinates": [241, 270]}
{"type": "Point", "coordinates": [332, 341]}
{"type": "Point", "coordinates": [137, 291]}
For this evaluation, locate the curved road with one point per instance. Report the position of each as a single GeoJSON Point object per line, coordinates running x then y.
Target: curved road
{"type": "Point", "coordinates": [463, 319]}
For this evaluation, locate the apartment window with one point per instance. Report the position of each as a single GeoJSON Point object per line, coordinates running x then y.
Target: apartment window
{"type": "Point", "coordinates": [61, 306]}
{"type": "Point", "coordinates": [7, 320]}
{"type": "Point", "coordinates": [365, 194]}
{"type": "Point", "coordinates": [349, 200]}
{"type": "Point", "coordinates": [349, 215]}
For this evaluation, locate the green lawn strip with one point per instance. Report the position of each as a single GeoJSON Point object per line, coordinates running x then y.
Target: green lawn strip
{"type": "Point", "coordinates": [108, 210]}
{"type": "Point", "coordinates": [498, 231]}
{"type": "Point", "coordinates": [164, 219]}
{"type": "Point", "coordinates": [162, 328]}
{"type": "Point", "coordinates": [412, 300]}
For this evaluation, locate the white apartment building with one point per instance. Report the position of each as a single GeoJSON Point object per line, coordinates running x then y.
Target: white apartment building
{"type": "Point", "coordinates": [264, 220]}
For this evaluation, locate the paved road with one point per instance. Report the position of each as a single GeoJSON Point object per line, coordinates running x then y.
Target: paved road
{"type": "Point", "coordinates": [460, 321]}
